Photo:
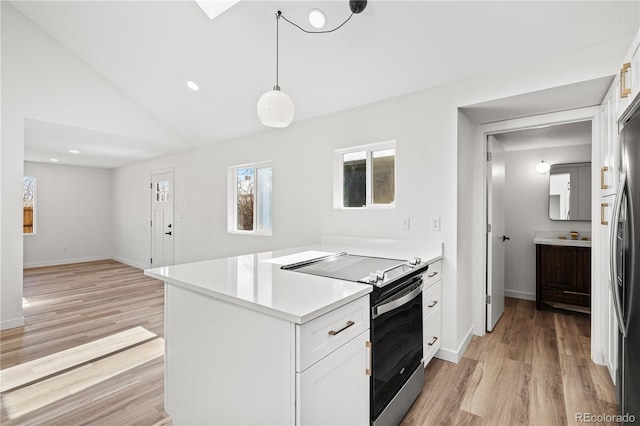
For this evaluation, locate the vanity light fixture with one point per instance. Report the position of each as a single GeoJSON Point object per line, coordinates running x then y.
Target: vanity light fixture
{"type": "Point", "coordinates": [542, 167]}
{"type": "Point", "coordinates": [275, 108]}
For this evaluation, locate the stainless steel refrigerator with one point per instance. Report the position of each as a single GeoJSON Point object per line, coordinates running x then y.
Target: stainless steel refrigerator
{"type": "Point", "coordinates": [625, 266]}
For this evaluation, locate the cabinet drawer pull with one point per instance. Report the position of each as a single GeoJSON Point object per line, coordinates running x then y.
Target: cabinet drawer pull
{"type": "Point", "coordinates": [434, 303]}
{"type": "Point", "coordinates": [624, 75]}
{"type": "Point", "coordinates": [602, 207]}
{"type": "Point", "coordinates": [575, 292]}
{"type": "Point", "coordinates": [431, 343]}
{"type": "Point", "coordinates": [602, 184]}
{"type": "Point", "coordinates": [368, 370]}
{"type": "Point", "coordinates": [349, 324]}
{"type": "Point", "coordinates": [432, 275]}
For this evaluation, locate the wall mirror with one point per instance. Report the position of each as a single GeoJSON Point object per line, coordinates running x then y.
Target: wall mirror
{"type": "Point", "coordinates": [570, 191]}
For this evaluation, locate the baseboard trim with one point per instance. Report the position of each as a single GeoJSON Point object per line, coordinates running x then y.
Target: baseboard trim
{"type": "Point", "coordinates": [12, 323]}
{"type": "Point", "coordinates": [129, 262]}
{"type": "Point", "coordinates": [64, 262]}
{"type": "Point", "coordinates": [520, 295]}
{"type": "Point", "coordinates": [454, 356]}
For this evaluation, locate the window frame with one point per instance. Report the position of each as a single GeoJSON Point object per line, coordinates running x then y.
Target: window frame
{"type": "Point", "coordinates": [232, 199]}
{"type": "Point", "coordinates": [338, 175]}
{"type": "Point", "coordinates": [35, 188]}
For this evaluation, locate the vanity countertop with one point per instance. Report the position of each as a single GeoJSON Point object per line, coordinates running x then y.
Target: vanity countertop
{"type": "Point", "coordinates": [562, 238]}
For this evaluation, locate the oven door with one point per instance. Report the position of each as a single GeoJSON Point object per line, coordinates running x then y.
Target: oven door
{"type": "Point", "coordinates": [396, 328]}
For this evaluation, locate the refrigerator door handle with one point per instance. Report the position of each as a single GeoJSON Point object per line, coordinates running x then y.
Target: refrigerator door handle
{"type": "Point", "coordinates": [613, 263]}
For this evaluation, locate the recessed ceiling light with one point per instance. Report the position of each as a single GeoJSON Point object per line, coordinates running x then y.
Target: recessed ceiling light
{"type": "Point", "coordinates": [74, 151]}
{"type": "Point", "coordinates": [55, 160]}
{"type": "Point", "coordinates": [193, 85]}
{"type": "Point", "coordinates": [317, 18]}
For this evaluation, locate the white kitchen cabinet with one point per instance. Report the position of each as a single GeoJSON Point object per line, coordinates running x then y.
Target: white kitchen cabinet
{"type": "Point", "coordinates": [609, 320]}
{"type": "Point", "coordinates": [335, 390]}
{"type": "Point", "coordinates": [609, 146]}
{"type": "Point", "coordinates": [227, 364]}
{"type": "Point", "coordinates": [432, 311]}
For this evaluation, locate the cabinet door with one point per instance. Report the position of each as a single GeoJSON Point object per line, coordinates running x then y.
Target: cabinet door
{"type": "Point", "coordinates": [335, 390]}
{"type": "Point", "coordinates": [583, 270]}
{"type": "Point", "coordinates": [558, 267]}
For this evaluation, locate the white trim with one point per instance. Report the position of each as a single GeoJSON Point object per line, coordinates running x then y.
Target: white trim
{"type": "Point", "coordinates": [520, 294]}
{"type": "Point", "coordinates": [232, 188]}
{"type": "Point", "coordinates": [338, 170]}
{"type": "Point", "coordinates": [454, 356]}
{"type": "Point", "coordinates": [12, 323]}
{"type": "Point", "coordinates": [543, 120]}
{"type": "Point", "coordinates": [64, 261]}
{"type": "Point", "coordinates": [130, 262]}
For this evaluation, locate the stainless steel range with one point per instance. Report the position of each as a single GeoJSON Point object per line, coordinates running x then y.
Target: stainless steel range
{"type": "Point", "coordinates": [396, 325]}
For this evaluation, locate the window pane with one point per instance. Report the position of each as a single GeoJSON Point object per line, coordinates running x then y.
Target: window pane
{"type": "Point", "coordinates": [355, 179]}
{"type": "Point", "coordinates": [245, 199]}
{"type": "Point", "coordinates": [162, 191]}
{"type": "Point", "coordinates": [263, 198]}
{"type": "Point", "coordinates": [28, 201]}
{"type": "Point", "coordinates": [383, 176]}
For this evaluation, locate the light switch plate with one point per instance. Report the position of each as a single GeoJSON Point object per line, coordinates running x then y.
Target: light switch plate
{"type": "Point", "coordinates": [405, 223]}
{"type": "Point", "coordinates": [435, 223]}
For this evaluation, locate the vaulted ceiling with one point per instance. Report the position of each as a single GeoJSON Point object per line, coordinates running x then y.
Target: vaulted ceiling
{"type": "Point", "coordinates": [149, 49]}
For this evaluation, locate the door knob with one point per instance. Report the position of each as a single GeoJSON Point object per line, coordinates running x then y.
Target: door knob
{"type": "Point", "coordinates": [167, 233]}
{"type": "Point", "coordinates": [505, 238]}
{"type": "Point", "coordinates": [169, 226]}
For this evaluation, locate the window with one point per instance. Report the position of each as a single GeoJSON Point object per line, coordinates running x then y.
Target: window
{"type": "Point", "coordinates": [162, 190]}
{"type": "Point", "coordinates": [365, 176]}
{"type": "Point", "coordinates": [28, 205]}
{"type": "Point", "coordinates": [249, 209]}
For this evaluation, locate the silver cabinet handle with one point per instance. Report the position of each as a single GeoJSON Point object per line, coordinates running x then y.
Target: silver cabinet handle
{"type": "Point", "coordinates": [432, 275]}
{"type": "Point", "coordinates": [434, 303]}
{"type": "Point", "coordinates": [431, 343]}
{"type": "Point", "coordinates": [368, 370]}
{"type": "Point", "coordinates": [349, 324]}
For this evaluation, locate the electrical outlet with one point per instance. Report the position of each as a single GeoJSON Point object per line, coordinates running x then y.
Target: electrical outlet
{"type": "Point", "coordinates": [405, 223]}
{"type": "Point", "coordinates": [435, 223]}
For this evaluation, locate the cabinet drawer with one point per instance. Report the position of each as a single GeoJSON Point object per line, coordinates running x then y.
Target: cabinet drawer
{"type": "Point", "coordinates": [432, 338]}
{"type": "Point", "coordinates": [567, 297]}
{"type": "Point", "coordinates": [433, 273]}
{"type": "Point", "coordinates": [431, 301]}
{"type": "Point", "coordinates": [323, 335]}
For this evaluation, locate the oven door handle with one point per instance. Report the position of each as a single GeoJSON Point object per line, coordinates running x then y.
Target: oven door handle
{"type": "Point", "coordinates": [394, 304]}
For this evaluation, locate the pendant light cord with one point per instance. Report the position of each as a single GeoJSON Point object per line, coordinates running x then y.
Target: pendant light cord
{"type": "Point", "coordinates": [280, 15]}
{"type": "Point", "coordinates": [277, 47]}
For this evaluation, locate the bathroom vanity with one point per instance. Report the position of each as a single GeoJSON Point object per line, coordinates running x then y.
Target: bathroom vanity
{"type": "Point", "coordinates": [563, 273]}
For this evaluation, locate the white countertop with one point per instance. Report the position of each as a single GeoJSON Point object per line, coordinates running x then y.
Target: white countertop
{"type": "Point", "coordinates": [256, 281]}
{"type": "Point", "coordinates": [562, 238]}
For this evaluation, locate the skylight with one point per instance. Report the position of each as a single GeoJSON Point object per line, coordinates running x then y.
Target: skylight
{"type": "Point", "coordinates": [214, 8]}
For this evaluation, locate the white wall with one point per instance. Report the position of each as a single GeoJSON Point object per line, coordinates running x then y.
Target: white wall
{"type": "Point", "coordinates": [73, 215]}
{"type": "Point", "coordinates": [44, 81]}
{"type": "Point", "coordinates": [430, 153]}
{"type": "Point", "coordinates": [527, 211]}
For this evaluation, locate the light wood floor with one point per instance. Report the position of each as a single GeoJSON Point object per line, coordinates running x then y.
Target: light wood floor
{"type": "Point", "coordinates": [72, 305]}
{"type": "Point", "coordinates": [534, 369]}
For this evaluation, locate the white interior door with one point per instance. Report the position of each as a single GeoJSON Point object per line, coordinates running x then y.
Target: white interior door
{"type": "Point", "coordinates": [162, 229]}
{"type": "Point", "coordinates": [496, 237]}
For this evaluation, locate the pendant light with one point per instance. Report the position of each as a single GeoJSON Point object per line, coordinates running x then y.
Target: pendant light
{"type": "Point", "coordinates": [275, 108]}
{"type": "Point", "coordinates": [542, 167]}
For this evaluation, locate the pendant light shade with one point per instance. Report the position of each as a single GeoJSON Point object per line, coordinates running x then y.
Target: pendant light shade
{"type": "Point", "coordinates": [275, 108]}
{"type": "Point", "coordinates": [542, 167]}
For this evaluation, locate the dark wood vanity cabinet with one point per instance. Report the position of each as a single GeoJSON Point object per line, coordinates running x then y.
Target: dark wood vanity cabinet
{"type": "Point", "coordinates": [563, 277]}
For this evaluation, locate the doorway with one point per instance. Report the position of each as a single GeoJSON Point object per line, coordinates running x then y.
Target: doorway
{"type": "Point", "coordinates": [162, 225]}
{"type": "Point", "coordinates": [504, 268]}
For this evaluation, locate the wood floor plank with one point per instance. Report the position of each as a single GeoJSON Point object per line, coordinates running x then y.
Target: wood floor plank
{"type": "Point", "coordinates": [31, 371]}
{"type": "Point", "coordinates": [30, 398]}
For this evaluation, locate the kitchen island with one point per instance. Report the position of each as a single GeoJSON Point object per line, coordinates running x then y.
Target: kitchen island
{"type": "Point", "coordinates": [249, 343]}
